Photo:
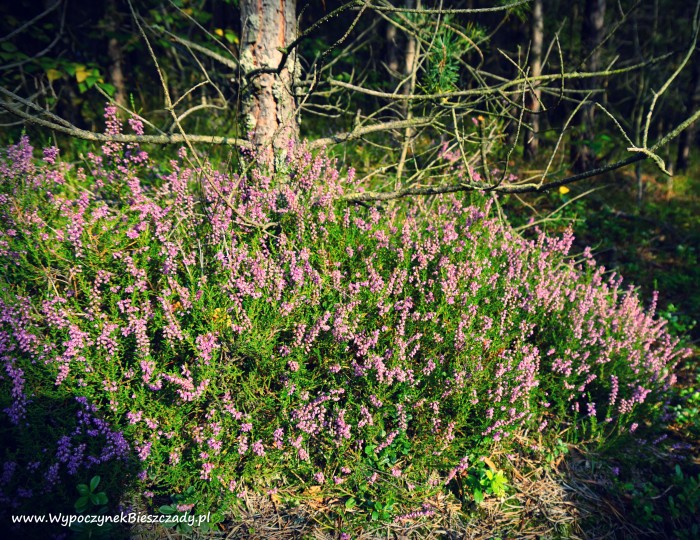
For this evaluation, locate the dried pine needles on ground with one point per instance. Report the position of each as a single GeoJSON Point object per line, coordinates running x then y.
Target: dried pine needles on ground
{"type": "Point", "coordinates": [570, 498]}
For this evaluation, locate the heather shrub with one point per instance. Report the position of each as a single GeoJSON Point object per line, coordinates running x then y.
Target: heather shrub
{"type": "Point", "coordinates": [251, 333]}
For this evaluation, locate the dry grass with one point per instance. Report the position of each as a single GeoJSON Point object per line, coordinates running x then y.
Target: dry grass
{"type": "Point", "coordinates": [568, 499]}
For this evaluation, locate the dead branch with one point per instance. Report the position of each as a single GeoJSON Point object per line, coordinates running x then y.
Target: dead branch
{"type": "Point", "coordinates": [367, 196]}
{"type": "Point", "coordinates": [449, 11]}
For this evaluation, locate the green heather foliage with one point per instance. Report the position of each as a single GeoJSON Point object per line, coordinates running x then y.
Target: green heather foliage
{"type": "Point", "coordinates": [242, 333]}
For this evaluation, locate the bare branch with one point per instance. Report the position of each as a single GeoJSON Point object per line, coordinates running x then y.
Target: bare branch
{"type": "Point", "coordinates": [441, 11]}
{"type": "Point", "coordinates": [175, 138]}
{"type": "Point", "coordinates": [493, 89]}
{"type": "Point", "coordinates": [689, 53]}
{"type": "Point", "coordinates": [200, 107]}
{"type": "Point", "coordinates": [367, 196]}
{"type": "Point", "coordinates": [228, 62]}
{"type": "Point", "coordinates": [360, 132]}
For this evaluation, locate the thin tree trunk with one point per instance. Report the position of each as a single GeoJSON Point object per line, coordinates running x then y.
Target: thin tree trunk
{"type": "Point", "coordinates": [269, 111]}
{"type": "Point", "coordinates": [408, 88]}
{"type": "Point", "coordinates": [116, 57]}
{"type": "Point", "coordinates": [537, 38]}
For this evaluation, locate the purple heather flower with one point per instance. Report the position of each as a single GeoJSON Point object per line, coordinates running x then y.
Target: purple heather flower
{"type": "Point", "coordinates": [50, 154]}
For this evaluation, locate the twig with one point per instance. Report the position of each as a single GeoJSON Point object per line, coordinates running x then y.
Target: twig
{"type": "Point", "coordinates": [518, 188]}
{"type": "Point", "coordinates": [360, 132]}
{"type": "Point", "coordinates": [228, 62]}
{"type": "Point", "coordinates": [680, 67]}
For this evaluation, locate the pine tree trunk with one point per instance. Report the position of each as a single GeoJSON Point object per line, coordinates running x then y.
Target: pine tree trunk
{"type": "Point", "coordinates": [537, 38]}
{"type": "Point", "coordinates": [269, 111]}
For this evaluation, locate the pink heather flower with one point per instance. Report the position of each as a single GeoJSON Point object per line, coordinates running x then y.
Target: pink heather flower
{"type": "Point", "coordinates": [614, 388]}
{"type": "Point", "coordinates": [396, 472]}
{"type": "Point", "coordinates": [206, 471]}
{"type": "Point", "coordinates": [319, 478]}
{"type": "Point", "coordinates": [634, 427]}
{"type": "Point", "coordinates": [136, 125]}
{"type": "Point", "coordinates": [591, 409]}
{"type": "Point", "coordinates": [258, 448]}
{"type": "Point", "coordinates": [463, 466]}
{"type": "Point", "coordinates": [367, 419]}
{"type": "Point", "coordinates": [278, 438]}
{"type": "Point", "coordinates": [387, 442]}
{"type": "Point", "coordinates": [242, 444]}
{"type": "Point", "coordinates": [293, 366]}
{"type": "Point", "coordinates": [206, 345]}
{"type": "Point", "coordinates": [342, 428]}
{"type": "Point", "coordinates": [144, 450]}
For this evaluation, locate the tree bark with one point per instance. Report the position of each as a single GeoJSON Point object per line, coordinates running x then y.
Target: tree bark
{"type": "Point", "coordinates": [269, 109]}
{"type": "Point", "coordinates": [537, 39]}
{"type": "Point", "coordinates": [116, 57]}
